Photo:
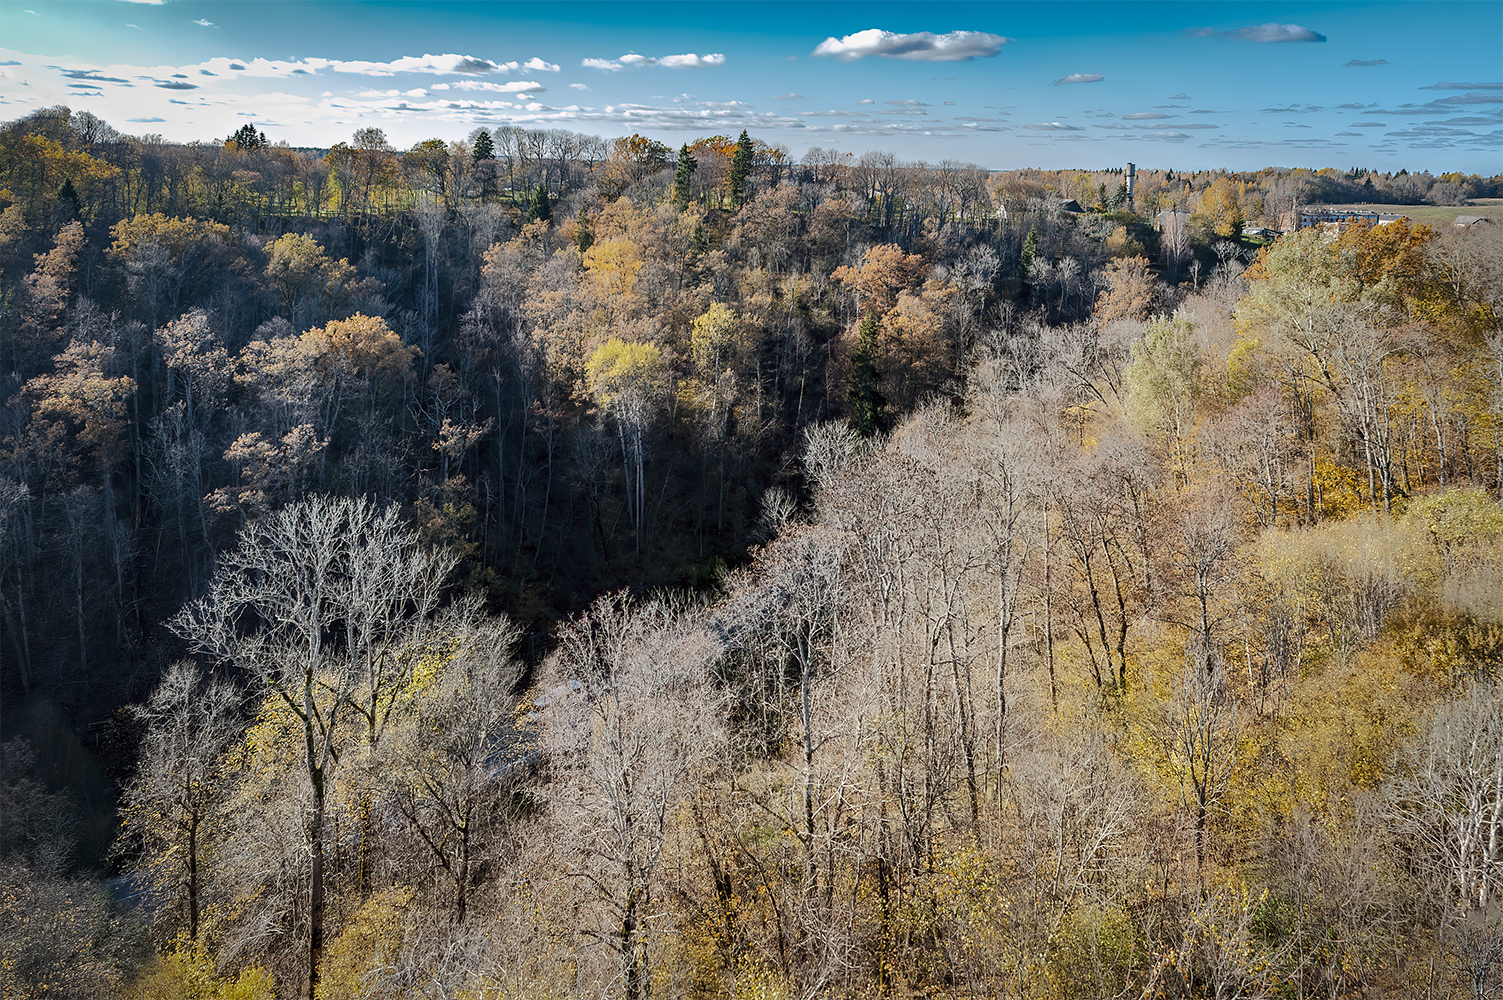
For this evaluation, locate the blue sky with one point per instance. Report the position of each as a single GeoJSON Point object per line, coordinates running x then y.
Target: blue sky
{"type": "Point", "coordinates": [1182, 85]}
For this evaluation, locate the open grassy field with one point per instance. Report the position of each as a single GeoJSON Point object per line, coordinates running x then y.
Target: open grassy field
{"type": "Point", "coordinates": [1438, 216]}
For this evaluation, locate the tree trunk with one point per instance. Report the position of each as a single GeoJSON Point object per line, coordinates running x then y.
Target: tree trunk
{"type": "Point", "coordinates": [316, 886]}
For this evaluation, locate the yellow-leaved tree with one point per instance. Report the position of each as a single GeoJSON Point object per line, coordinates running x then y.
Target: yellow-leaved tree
{"type": "Point", "coordinates": [627, 378]}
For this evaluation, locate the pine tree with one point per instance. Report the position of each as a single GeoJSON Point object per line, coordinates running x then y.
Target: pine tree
{"type": "Point", "coordinates": [868, 406]}
{"type": "Point", "coordinates": [740, 168]}
{"type": "Point", "coordinates": [540, 209]}
{"type": "Point", "coordinates": [584, 237]}
{"type": "Point", "coordinates": [485, 149]}
{"type": "Point", "coordinates": [683, 174]}
{"type": "Point", "coordinates": [68, 195]}
{"type": "Point", "coordinates": [1030, 252]}
{"type": "Point", "coordinates": [248, 139]}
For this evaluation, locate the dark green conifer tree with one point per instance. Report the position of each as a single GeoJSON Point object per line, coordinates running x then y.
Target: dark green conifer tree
{"type": "Point", "coordinates": [584, 236]}
{"type": "Point", "coordinates": [867, 403]}
{"type": "Point", "coordinates": [1030, 252]}
{"type": "Point", "coordinates": [741, 162]}
{"type": "Point", "coordinates": [67, 196]}
{"type": "Point", "coordinates": [485, 148]}
{"type": "Point", "coordinates": [248, 139]}
{"type": "Point", "coordinates": [540, 208]}
{"type": "Point", "coordinates": [683, 174]}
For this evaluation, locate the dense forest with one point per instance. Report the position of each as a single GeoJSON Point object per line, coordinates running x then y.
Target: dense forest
{"type": "Point", "coordinates": [543, 566]}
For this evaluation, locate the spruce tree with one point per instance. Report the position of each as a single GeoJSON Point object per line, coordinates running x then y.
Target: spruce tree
{"type": "Point", "coordinates": [868, 406]}
{"type": "Point", "coordinates": [540, 209]}
{"type": "Point", "coordinates": [67, 195]}
{"type": "Point", "coordinates": [485, 148]}
{"type": "Point", "coordinates": [683, 174]}
{"type": "Point", "coordinates": [248, 139]}
{"type": "Point", "coordinates": [740, 167]}
{"type": "Point", "coordinates": [1030, 252]}
{"type": "Point", "coordinates": [584, 237]}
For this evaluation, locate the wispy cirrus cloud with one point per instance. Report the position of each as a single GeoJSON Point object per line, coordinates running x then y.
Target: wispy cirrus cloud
{"type": "Point", "coordinates": [448, 64]}
{"type": "Point", "coordinates": [1367, 62]}
{"type": "Point", "coordinates": [1079, 78]}
{"type": "Point", "coordinates": [1448, 85]}
{"type": "Point", "coordinates": [1053, 127]}
{"type": "Point", "coordinates": [1263, 33]}
{"type": "Point", "coordinates": [204, 23]}
{"type": "Point", "coordinates": [921, 46]}
{"type": "Point", "coordinates": [633, 60]}
{"type": "Point", "coordinates": [1147, 116]}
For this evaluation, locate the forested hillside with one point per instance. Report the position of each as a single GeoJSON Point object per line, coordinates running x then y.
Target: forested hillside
{"type": "Point", "coordinates": [546, 566]}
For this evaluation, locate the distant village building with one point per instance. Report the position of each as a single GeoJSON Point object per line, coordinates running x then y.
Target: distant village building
{"type": "Point", "coordinates": [1310, 218]}
{"type": "Point", "coordinates": [1468, 221]}
{"type": "Point", "coordinates": [1068, 206]}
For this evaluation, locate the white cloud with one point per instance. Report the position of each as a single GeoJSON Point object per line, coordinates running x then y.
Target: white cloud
{"type": "Point", "coordinates": [691, 61]}
{"type": "Point", "coordinates": [539, 66]}
{"type": "Point", "coordinates": [1146, 116]}
{"type": "Point", "coordinates": [509, 87]}
{"type": "Point", "coordinates": [1053, 127]}
{"type": "Point", "coordinates": [788, 97]}
{"type": "Point", "coordinates": [579, 86]}
{"type": "Point", "coordinates": [1367, 62]}
{"type": "Point", "coordinates": [1448, 85]}
{"type": "Point", "coordinates": [1079, 78]}
{"type": "Point", "coordinates": [203, 23]}
{"type": "Point", "coordinates": [437, 64]}
{"type": "Point", "coordinates": [687, 60]}
{"type": "Point", "coordinates": [925, 46]}
{"type": "Point", "coordinates": [866, 100]}
{"type": "Point", "coordinates": [1270, 32]}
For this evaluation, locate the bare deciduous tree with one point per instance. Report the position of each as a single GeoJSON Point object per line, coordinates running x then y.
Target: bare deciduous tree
{"type": "Point", "coordinates": [190, 722]}
{"type": "Point", "coordinates": [316, 603]}
{"type": "Point", "coordinates": [625, 748]}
